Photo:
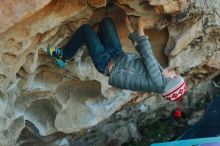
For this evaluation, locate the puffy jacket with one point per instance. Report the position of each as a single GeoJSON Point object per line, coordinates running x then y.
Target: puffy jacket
{"type": "Point", "coordinates": [138, 72]}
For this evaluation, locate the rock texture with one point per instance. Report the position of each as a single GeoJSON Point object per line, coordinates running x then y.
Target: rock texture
{"type": "Point", "coordinates": [34, 90]}
{"type": "Point", "coordinates": [14, 11]}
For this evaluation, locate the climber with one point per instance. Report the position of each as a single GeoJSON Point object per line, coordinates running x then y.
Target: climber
{"type": "Point", "coordinates": [137, 72]}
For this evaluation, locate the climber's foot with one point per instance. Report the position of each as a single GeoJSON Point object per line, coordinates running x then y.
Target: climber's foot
{"type": "Point", "coordinates": [57, 54]}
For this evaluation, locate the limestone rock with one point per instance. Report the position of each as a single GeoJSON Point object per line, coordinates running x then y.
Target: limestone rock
{"type": "Point", "coordinates": [97, 3]}
{"type": "Point", "coordinates": [12, 12]}
{"type": "Point", "coordinates": [78, 97]}
{"type": "Point", "coordinates": [140, 8]}
{"type": "Point", "coordinates": [169, 6]}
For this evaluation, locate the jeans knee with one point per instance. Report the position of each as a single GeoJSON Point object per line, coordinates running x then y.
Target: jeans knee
{"type": "Point", "coordinates": [85, 27]}
{"type": "Point", "coordinates": [107, 20]}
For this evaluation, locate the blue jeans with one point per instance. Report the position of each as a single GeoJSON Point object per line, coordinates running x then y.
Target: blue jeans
{"type": "Point", "coordinates": [103, 46]}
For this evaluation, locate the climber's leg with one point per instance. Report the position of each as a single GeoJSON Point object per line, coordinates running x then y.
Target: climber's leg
{"type": "Point", "coordinates": [85, 35]}
{"type": "Point", "coordinates": [108, 35]}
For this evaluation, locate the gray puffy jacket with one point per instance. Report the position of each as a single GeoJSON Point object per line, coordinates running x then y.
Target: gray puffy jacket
{"type": "Point", "coordinates": [138, 72]}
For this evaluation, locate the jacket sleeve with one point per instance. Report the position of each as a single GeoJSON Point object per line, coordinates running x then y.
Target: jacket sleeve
{"type": "Point", "coordinates": [133, 37]}
{"type": "Point", "coordinates": [152, 66]}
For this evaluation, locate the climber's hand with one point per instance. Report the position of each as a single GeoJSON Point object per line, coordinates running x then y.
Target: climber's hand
{"type": "Point", "coordinates": [128, 24]}
{"type": "Point", "coordinates": [141, 24]}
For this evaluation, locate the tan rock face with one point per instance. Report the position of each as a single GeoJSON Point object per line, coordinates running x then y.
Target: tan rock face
{"type": "Point", "coordinates": [140, 8]}
{"type": "Point", "coordinates": [97, 3]}
{"type": "Point", "coordinates": [33, 88]}
{"type": "Point", "coordinates": [169, 6]}
{"type": "Point", "coordinates": [12, 12]}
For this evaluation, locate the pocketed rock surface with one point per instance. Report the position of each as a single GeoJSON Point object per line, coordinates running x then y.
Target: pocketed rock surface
{"type": "Point", "coordinates": [54, 103]}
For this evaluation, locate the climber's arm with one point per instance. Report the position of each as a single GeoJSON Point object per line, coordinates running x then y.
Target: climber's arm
{"type": "Point", "coordinates": [133, 35]}
{"type": "Point", "coordinates": [152, 66]}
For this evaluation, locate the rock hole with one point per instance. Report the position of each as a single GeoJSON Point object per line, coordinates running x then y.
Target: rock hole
{"type": "Point", "coordinates": [42, 114]}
